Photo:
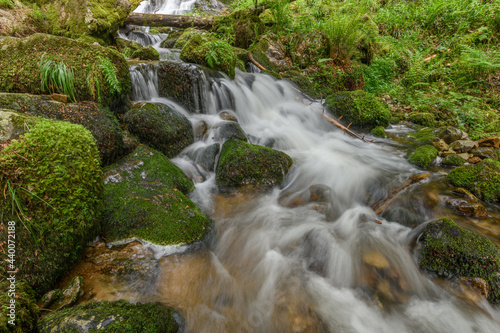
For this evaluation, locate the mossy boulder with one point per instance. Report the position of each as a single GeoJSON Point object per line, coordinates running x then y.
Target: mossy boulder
{"type": "Point", "coordinates": [210, 52]}
{"type": "Point", "coordinates": [360, 108]}
{"type": "Point", "coordinates": [133, 50]}
{"type": "Point", "coordinates": [271, 54]}
{"type": "Point", "coordinates": [425, 135]}
{"type": "Point", "coordinates": [112, 317]}
{"type": "Point", "coordinates": [247, 28]}
{"type": "Point", "coordinates": [186, 35]}
{"type": "Point", "coordinates": [241, 163]}
{"type": "Point", "coordinates": [54, 173]}
{"type": "Point", "coordinates": [160, 126]}
{"type": "Point", "coordinates": [309, 47]}
{"type": "Point", "coordinates": [450, 251]}
{"type": "Point", "coordinates": [482, 179]}
{"type": "Point", "coordinates": [379, 132]}
{"type": "Point", "coordinates": [24, 310]}
{"type": "Point", "coordinates": [423, 156]}
{"type": "Point", "coordinates": [13, 124]}
{"type": "Point", "coordinates": [20, 73]}
{"type": "Point", "coordinates": [169, 42]}
{"type": "Point", "coordinates": [423, 118]}
{"type": "Point", "coordinates": [453, 160]}
{"type": "Point", "coordinates": [76, 18]}
{"type": "Point", "coordinates": [177, 81]}
{"type": "Point", "coordinates": [101, 122]}
{"type": "Point", "coordinates": [145, 197]}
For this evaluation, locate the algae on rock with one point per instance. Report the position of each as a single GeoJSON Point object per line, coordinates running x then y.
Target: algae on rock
{"type": "Point", "coordinates": [482, 179]}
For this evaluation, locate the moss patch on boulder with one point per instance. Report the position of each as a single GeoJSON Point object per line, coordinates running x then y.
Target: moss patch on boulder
{"type": "Point", "coordinates": [425, 135]}
{"type": "Point", "coordinates": [133, 50]}
{"type": "Point", "coordinates": [25, 310]}
{"type": "Point", "coordinates": [54, 173]}
{"type": "Point", "coordinates": [145, 198]}
{"type": "Point", "coordinates": [453, 160]}
{"type": "Point", "coordinates": [14, 124]}
{"type": "Point", "coordinates": [423, 156]}
{"type": "Point", "coordinates": [20, 58]}
{"type": "Point", "coordinates": [482, 179]}
{"type": "Point", "coordinates": [101, 122]}
{"type": "Point", "coordinates": [453, 252]}
{"type": "Point", "coordinates": [160, 126]}
{"type": "Point", "coordinates": [360, 108]}
{"type": "Point", "coordinates": [241, 163]}
{"type": "Point", "coordinates": [423, 118]}
{"type": "Point", "coordinates": [112, 317]}
{"type": "Point", "coordinates": [379, 132]}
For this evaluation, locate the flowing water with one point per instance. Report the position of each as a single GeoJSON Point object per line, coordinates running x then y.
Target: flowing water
{"type": "Point", "coordinates": [281, 262]}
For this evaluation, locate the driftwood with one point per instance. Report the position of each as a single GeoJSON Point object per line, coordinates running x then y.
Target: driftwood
{"type": "Point", "coordinates": [252, 59]}
{"type": "Point", "coordinates": [380, 206]}
{"type": "Point", "coordinates": [175, 21]}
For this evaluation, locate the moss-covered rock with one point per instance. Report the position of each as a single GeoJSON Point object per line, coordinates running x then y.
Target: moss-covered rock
{"type": "Point", "coordinates": [160, 126]}
{"type": "Point", "coordinates": [101, 122]}
{"type": "Point", "coordinates": [308, 48]}
{"type": "Point", "coordinates": [146, 53]}
{"type": "Point", "coordinates": [22, 315]}
{"type": "Point", "coordinates": [482, 179]}
{"type": "Point", "coordinates": [177, 81]}
{"type": "Point", "coordinates": [241, 163]}
{"type": "Point", "coordinates": [186, 35]}
{"type": "Point", "coordinates": [20, 59]}
{"type": "Point", "coordinates": [453, 160]}
{"type": "Point", "coordinates": [423, 118]}
{"type": "Point", "coordinates": [54, 173]}
{"type": "Point", "coordinates": [210, 52]}
{"type": "Point", "coordinates": [145, 198]}
{"type": "Point", "coordinates": [425, 135]}
{"type": "Point", "coordinates": [13, 124]}
{"type": "Point", "coordinates": [423, 156]}
{"type": "Point", "coordinates": [379, 132]}
{"type": "Point", "coordinates": [360, 108]}
{"type": "Point", "coordinates": [97, 18]}
{"type": "Point", "coordinates": [112, 317]}
{"type": "Point", "coordinates": [169, 42]}
{"type": "Point", "coordinates": [269, 52]}
{"type": "Point", "coordinates": [133, 50]}
{"type": "Point", "coordinates": [453, 252]}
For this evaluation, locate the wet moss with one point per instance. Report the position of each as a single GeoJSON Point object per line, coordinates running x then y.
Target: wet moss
{"type": "Point", "coordinates": [54, 173]}
{"type": "Point", "coordinates": [19, 71]}
{"type": "Point", "coordinates": [423, 118]}
{"type": "Point", "coordinates": [453, 160]}
{"type": "Point", "coordinates": [359, 108]}
{"type": "Point", "coordinates": [482, 179]}
{"type": "Point", "coordinates": [133, 50]}
{"type": "Point", "coordinates": [112, 317]}
{"type": "Point", "coordinates": [241, 163]}
{"type": "Point", "coordinates": [146, 53]}
{"type": "Point", "coordinates": [145, 198]}
{"type": "Point", "coordinates": [423, 156]}
{"type": "Point", "coordinates": [425, 135]}
{"type": "Point", "coordinates": [160, 127]}
{"type": "Point", "coordinates": [379, 132]}
{"type": "Point", "coordinates": [453, 252]}
{"type": "Point", "coordinates": [26, 311]}
{"type": "Point", "coordinates": [99, 121]}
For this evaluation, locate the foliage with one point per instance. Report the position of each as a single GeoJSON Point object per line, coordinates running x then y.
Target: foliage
{"type": "Point", "coordinates": [58, 165]}
{"type": "Point", "coordinates": [103, 74]}
{"type": "Point", "coordinates": [219, 54]}
{"type": "Point", "coordinates": [379, 76]}
{"type": "Point", "coordinates": [6, 4]}
{"type": "Point", "coordinates": [345, 34]}
{"type": "Point", "coordinates": [57, 77]}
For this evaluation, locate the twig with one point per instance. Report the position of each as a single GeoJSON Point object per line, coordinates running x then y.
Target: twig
{"type": "Point", "coordinates": [252, 59]}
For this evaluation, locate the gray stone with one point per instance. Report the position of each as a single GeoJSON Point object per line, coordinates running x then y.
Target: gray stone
{"type": "Point", "coordinates": [450, 134]}
{"type": "Point", "coordinates": [484, 152]}
{"type": "Point", "coordinates": [463, 146]}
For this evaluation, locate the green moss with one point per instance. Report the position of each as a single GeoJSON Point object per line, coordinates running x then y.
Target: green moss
{"type": "Point", "coordinates": [6, 4]}
{"type": "Point", "coordinates": [26, 311]}
{"type": "Point", "coordinates": [19, 72]}
{"type": "Point", "coordinates": [423, 118]}
{"type": "Point", "coordinates": [425, 135]}
{"type": "Point", "coordinates": [146, 53]}
{"type": "Point", "coordinates": [359, 108]}
{"type": "Point", "coordinates": [453, 160]}
{"type": "Point", "coordinates": [186, 35]}
{"type": "Point", "coordinates": [451, 251]}
{"type": "Point", "coordinates": [145, 198]}
{"type": "Point", "coordinates": [482, 179]}
{"type": "Point", "coordinates": [241, 163]}
{"type": "Point", "coordinates": [54, 173]}
{"type": "Point", "coordinates": [423, 156]}
{"type": "Point", "coordinates": [161, 127]}
{"type": "Point", "coordinates": [99, 121]}
{"type": "Point", "coordinates": [112, 317]}
{"type": "Point", "coordinates": [379, 132]}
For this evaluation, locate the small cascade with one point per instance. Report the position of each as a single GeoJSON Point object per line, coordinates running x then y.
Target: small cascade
{"type": "Point", "coordinates": [142, 36]}
{"type": "Point", "coordinates": [144, 79]}
{"type": "Point", "coordinates": [175, 7]}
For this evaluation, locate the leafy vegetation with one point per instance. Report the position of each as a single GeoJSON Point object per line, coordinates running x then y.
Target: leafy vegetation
{"type": "Point", "coordinates": [57, 77]}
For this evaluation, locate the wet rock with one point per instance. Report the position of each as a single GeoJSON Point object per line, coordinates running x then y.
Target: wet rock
{"type": "Point", "coordinates": [228, 115]}
{"type": "Point", "coordinates": [271, 54]}
{"type": "Point", "coordinates": [447, 153]}
{"type": "Point", "coordinates": [453, 252]}
{"type": "Point", "coordinates": [200, 130]}
{"type": "Point", "coordinates": [229, 130]}
{"type": "Point", "coordinates": [489, 142]}
{"type": "Point", "coordinates": [206, 156]}
{"type": "Point", "coordinates": [316, 251]}
{"type": "Point", "coordinates": [241, 163]}
{"type": "Point", "coordinates": [160, 127]}
{"type": "Point", "coordinates": [119, 316]}
{"type": "Point", "coordinates": [472, 209]}
{"type": "Point", "coordinates": [453, 160]}
{"type": "Point", "coordinates": [477, 283]}
{"type": "Point", "coordinates": [131, 271]}
{"type": "Point", "coordinates": [484, 152]}
{"type": "Point", "coordinates": [465, 156]}
{"type": "Point", "coordinates": [50, 298]}
{"type": "Point", "coordinates": [441, 145]}
{"type": "Point", "coordinates": [462, 146]}
{"type": "Point", "coordinates": [470, 196]}
{"type": "Point", "coordinates": [69, 295]}
{"type": "Point", "coordinates": [403, 216]}
{"type": "Point", "coordinates": [26, 313]}
{"type": "Point", "coordinates": [481, 179]}
{"type": "Point", "coordinates": [450, 134]}
{"type": "Point", "coordinates": [474, 160]}
{"type": "Point", "coordinates": [150, 203]}
{"type": "Point", "coordinates": [375, 259]}
{"type": "Point", "coordinates": [135, 50]}
{"type": "Point", "coordinates": [320, 193]}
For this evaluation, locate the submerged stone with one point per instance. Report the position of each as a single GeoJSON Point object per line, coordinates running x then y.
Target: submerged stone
{"type": "Point", "coordinates": [119, 316]}
{"type": "Point", "coordinates": [241, 163]}
{"type": "Point", "coordinates": [229, 130]}
{"type": "Point", "coordinates": [453, 252]}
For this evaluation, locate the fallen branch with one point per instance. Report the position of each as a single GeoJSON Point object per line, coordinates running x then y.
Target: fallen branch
{"type": "Point", "coordinates": [345, 128]}
{"type": "Point", "coordinates": [380, 206]}
{"type": "Point", "coordinates": [252, 59]}
{"type": "Point", "coordinates": [176, 21]}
